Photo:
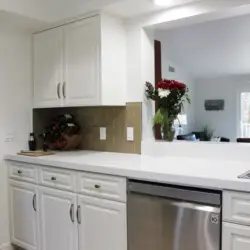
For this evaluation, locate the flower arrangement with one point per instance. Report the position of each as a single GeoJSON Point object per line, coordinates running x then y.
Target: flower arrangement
{"type": "Point", "coordinates": [170, 96]}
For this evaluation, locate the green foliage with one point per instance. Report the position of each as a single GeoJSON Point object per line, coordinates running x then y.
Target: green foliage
{"type": "Point", "coordinates": [187, 98]}
{"type": "Point", "coordinates": [208, 133]}
{"type": "Point", "coordinates": [151, 92]}
{"type": "Point", "coordinates": [169, 106]}
{"type": "Point", "coordinates": [158, 118]}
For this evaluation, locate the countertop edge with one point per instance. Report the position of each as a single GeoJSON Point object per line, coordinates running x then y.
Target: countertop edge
{"type": "Point", "coordinates": [166, 178]}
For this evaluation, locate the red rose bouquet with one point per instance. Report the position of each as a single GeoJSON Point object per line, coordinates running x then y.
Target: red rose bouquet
{"type": "Point", "coordinates": [170, 96]}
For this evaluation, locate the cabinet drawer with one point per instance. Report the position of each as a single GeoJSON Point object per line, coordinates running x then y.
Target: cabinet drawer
{"type": "Point", "coordinates": [23, 172]}
{"type": "Point", "coordinates": [103, 186]}
{"type": "Point", "coordinates": [58, 178]}
{"type": "Point", "coordinates": [236, 207]}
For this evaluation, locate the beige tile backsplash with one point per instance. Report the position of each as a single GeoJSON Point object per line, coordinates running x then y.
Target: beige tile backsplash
{"type": "Point", "coordinates": [115, 119]}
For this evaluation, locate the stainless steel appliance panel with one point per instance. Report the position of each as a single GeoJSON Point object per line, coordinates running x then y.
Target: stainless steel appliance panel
{"type": "Point", "coordinates": [159, 223]}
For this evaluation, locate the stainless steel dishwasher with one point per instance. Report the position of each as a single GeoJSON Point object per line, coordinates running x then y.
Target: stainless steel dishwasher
{"type": "Point", "coordinates": [162, 217]}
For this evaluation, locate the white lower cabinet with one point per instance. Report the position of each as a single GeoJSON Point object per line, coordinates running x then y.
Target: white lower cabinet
{"type": "Point", "coordinates": [235, 237]}
{"type": "Point", "coordinates": [58, 220]}
{"type": "Point", "coordinates": [102, 224]}
{"type": "Point", "coordinates": [24, 215]}
{"type": "Point", "coordinates": [69, 222]}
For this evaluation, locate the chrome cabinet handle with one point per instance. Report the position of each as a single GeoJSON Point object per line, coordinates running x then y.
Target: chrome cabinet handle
{"type": "Point", "coordinates": [97, 186]}
{"type": "Point", "coordinates": [19, 171]}
{"type": "Point", "coordinates": [58, 90]}
{"type": "Point", "coordinates": [53, 178]}
{"type": "Point", "coordinates": [71, 213]}
{"type": "Point", "coordinates": [34, 202]}
{"type": "Point", "coordinates": [78, 214]}
{"type": "Point", "coordinates": [63, 90]}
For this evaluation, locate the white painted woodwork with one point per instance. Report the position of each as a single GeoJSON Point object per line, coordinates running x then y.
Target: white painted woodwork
{"type": "Point", "coordinates": [48, 62]}
{"type": "Point", "coordinates": [23, 172]}
{"type": "Point", "coordinates": [64, 220]}
{"type": "Point", "coordinates": [235, 237]}
{"type": "Point", "coordinates": [24, 218]}
{"type": "Point", "coordinates": [103, 186]}
{"type": "Point", "coordinates": [103, 224]}
{"type": "Point", "coordinates": [87, 58]}
{"type": "Point", "coordinates": [57, 229]}
{"type": "Point", "coordinates": [58, 178]}
{"type": "Point", "coordinates": [82, 63]}
{"type": "Point", "coordinates": [113, 61]}
{"type": "Point", "coordinates": [236, 207]}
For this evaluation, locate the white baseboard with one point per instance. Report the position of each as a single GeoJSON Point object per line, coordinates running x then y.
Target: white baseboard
{"type": "Point", "coordinates": [6, 246]}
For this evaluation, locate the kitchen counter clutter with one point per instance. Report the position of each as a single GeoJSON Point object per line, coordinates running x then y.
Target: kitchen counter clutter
{"type": "Point", "coordinates": [204, 173]}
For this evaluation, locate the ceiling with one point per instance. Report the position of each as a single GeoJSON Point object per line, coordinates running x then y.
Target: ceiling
{"type": "Point", "coordinates": [215, 48]}
{"type": "Point", "coordinates": [132, 8]}
{"type": "Point", "coordinates": [19, 22]}
{"type": "Point", "coordinates": [58, 10]}
{"type": "Point", "coordinates": [35, 15]}
{"type": "Point", "coordinates": [53, 10]}
{"type": "Point", "coordinates": [63, 9]}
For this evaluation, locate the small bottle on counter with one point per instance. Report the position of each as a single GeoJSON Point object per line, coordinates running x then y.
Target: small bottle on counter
{"type": "Point", "coordinates": [32, 142]}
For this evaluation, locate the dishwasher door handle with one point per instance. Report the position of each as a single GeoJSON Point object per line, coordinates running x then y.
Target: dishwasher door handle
{"type": "Point", "coordinates": [194, 206]}
{"type": "Point", "coordinates": [166, 191]}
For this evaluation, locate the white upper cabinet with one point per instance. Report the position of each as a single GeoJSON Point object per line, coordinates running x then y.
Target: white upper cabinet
{"type": "Point", "coordinates": [81, 64]}
{"type": "Point", "coordinates": [48, 62]}
{"type": "Point", "coordinates": [24, 215]}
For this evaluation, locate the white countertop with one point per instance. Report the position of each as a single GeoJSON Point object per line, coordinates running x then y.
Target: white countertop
{"type": "Point", "coordinates": [206, 173]}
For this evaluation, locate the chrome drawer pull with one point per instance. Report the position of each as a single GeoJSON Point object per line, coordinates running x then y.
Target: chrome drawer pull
{"type": "Point", "coordinates": [78, 214]}
{"type": "Point", "coordinates": [71, 213]}
{"type": "Point", "coordinates": [58, 90]}
{"type": "Point", "coordinates": [34, 202]}
{"type": "Point", "coordinates": [63, 89]}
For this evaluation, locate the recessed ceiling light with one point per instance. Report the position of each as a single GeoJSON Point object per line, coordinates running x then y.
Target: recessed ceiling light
{"type": "Point", "coordinates": [164, 2]}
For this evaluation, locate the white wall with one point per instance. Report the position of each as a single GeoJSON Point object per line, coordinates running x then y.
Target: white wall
{"type": "Point", "coordinates": [140, 67]}
{"type": "Point", "coordinates": [224, 123]}
{"type": "Point", "coordinates": [15, 107]}
{"type": "Point", "coordinates": [134, 66]}
{"type": "Point", "coordinates": [147, 75]}
{"type": "Point", "coordinates": [140, 64]}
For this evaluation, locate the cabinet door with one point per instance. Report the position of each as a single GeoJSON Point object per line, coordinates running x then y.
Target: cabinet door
{"type": "Point", "coordinates": [82, 63]}
{"type": "Point", "coordinates": [235, 237]}
{"type": "Point", "coordinates": [48, 66]}
{"type": "Point", "coordinates": [58, 224]}
{"type": "Point", "coordinates": [102, 224]}
{"type": "Point", "coordinates": [24, 215]}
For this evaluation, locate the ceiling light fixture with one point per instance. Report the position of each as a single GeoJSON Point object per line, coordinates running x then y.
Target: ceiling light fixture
{"type": "Point", "coordinates": [164, 2]}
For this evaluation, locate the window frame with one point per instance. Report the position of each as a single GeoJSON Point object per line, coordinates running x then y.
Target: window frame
{"type": "Point", "coordinates": [240, 134]}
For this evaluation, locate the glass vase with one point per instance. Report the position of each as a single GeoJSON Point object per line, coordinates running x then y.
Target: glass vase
{"type": "Point", "coordinates": [168, 131]}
